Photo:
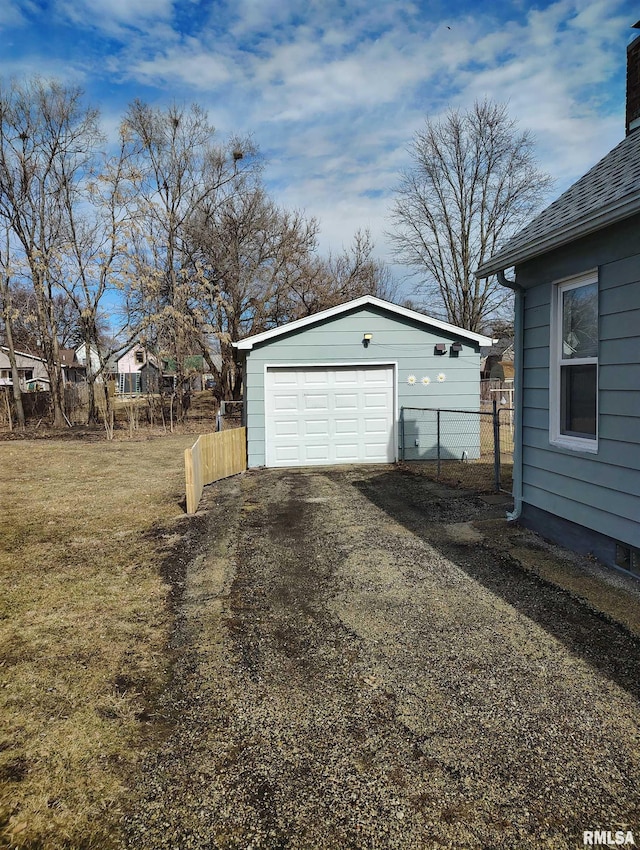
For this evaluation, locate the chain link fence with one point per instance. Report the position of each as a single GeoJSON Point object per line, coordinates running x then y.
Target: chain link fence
{"type": "Point", "coordinates": [463, 448]}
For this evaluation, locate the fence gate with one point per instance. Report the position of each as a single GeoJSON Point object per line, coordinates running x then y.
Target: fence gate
{"type": "Point", "coordinates": [469, 448]}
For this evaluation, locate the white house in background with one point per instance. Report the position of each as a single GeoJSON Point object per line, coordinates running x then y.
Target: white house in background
{"type": "Point", "coordinates": [93, 359]}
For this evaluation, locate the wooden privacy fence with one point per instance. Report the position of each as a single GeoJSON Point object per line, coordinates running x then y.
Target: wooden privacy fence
{"type": "Point", "coordinates": [212, 457]}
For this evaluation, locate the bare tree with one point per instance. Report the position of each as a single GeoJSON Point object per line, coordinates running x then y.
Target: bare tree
{"type": "Point", "coordinates": [8, 315]}
{"type": "Point", "coordinates": [26, 331]}
{"type": "Point", "coordinates": [47, 140]}
{"type": "Point", "coordinates": [92, 255]}
{"type": "Point", "coordinates": [246, 255]}
{"type": "Point", "coordinates": [179, 172]}
{"type": "Point", "coordinates": [474, 181]}
{"type": "Point", "coordinates": [338, 279]}
{"type": "Point", "coordinates": [259, 268]}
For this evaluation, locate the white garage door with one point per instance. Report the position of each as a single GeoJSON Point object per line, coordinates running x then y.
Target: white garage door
{"type": "Point", "coordinates": [329, 415]}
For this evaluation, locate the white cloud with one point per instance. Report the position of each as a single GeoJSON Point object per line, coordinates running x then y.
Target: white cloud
{"type": "Point", "coordinates": [188, 63]}
{"type": "Point", "coordinates": [111, 15]}
{"type": "Point", "coordinates": [300, 83]}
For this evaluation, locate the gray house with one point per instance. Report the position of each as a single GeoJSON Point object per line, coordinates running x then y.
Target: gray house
{"type": "Point", "coordinates": [329, 388]}
{"type": "Point", "coordinates": [32, 370]}
{"type": "Point", "coordinates": [577, 285]}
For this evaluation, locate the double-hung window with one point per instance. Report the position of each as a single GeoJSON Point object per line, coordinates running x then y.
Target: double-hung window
{"type": "Point", "coordinates": [573, 405]}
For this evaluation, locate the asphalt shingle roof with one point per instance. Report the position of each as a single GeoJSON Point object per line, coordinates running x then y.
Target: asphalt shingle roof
{"type": "Point", "coordinates": [608, 193]}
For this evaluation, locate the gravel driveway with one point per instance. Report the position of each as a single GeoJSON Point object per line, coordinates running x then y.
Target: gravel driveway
{"type": "Point", "coordinates": [361, 664]}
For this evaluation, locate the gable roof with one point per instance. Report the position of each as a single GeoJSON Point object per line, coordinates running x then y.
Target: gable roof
{"type": "Point", "coordinates": [5, 348]}
{"type": "Point", "coordinates": [68, 357]}
{"type": "Point", "coordinates": [364, 301]}
{"type": "Point", "coordinates": [501, 347]}
{"type": "Point", "coordinates": [150, 358]}
{"type": "Point", "coordinates": [608, 193]}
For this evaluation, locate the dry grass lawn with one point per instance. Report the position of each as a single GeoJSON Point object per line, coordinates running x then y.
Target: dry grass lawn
{"type": "Point", "coordinates": [83, 629]}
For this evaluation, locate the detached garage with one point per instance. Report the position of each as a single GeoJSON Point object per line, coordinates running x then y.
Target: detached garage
{"type": "Point", "coordinates": [328, 389]}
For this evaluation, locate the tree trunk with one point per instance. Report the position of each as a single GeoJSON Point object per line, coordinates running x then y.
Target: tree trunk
{"type": "Point", "coordinates": [15, 378]}
{"type": "Point", "coordinates": [92, 413]}
{"type": "Point", "coordinates": [56, 379]}
{"type": "Point", "coordinates": [47, 327]}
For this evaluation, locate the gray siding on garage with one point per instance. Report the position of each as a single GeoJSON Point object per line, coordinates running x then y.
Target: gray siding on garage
{"type": "Point", "coordinates": [600, 491]}
{"type": "Point", "coordinates": [396, 339]}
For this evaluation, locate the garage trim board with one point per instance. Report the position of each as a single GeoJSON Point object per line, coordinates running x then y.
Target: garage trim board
{"type": "Point", "coordinates": [319, 414]}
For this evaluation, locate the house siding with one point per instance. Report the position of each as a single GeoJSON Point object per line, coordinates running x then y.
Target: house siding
{"type": "Point", "coordinates": [23, 361]}
{"type": "Point", "coordinates": [396, 340]}
{"type": "Point", "coordinates": [127, 363]}
{"type": "Point", "coordinates": [94, 359]}
{"type": "Point", "coordinates": [598, 491]}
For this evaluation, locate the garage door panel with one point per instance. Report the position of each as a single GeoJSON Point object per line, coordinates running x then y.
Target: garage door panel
{"type": "Point", "coordinates": [315, 378]}
{"type": "Point", "coordinates": [375, 426]}
{"type": "Point", "coordinates": [287, 454]}
{"type": "Point", "coordinates": [376, 401]}
{"type": "Point", "coordinates": [327, 415]}
{"type": "Point", "coordinates": [318, 454]}
{"type": "Point", "coordinates": [347, 452]}
{"type": "Point", "coordinates": [286, 428]}
{"type": "Point", "coordinates": [376, 452]}
{"type": "Point", "coordinates": [346, 402]}
{"type": "Point", "coordinates": [286, 402]}
{"type": "Point", "coordinates": [345, 376]}
{"type": "Point", "coordinates": [346, 426]}
{"type": "Point", "coordinates": [316, 427]}
{"type": "Point", "coordinates": [284, 377]}
{"type": "Point", "coordinates": [375, 376]}
{"type": "Point", "coordinates": [315, 402]}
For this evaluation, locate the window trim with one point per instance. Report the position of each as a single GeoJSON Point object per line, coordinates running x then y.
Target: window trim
{"type": "Point", "coordinates": [556, 438]}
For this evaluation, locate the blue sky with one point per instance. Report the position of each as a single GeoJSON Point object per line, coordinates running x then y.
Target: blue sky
{"type": "Point", "coordinates": [334, 90]}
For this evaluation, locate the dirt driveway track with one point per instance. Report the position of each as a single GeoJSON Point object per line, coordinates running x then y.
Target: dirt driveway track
{"type": "Point", "coordinates": [358, 665]}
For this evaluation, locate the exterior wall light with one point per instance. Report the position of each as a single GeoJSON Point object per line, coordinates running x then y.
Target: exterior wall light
{"type": "Point", "coordinates": [455, 349]}
{"type": "Point", "coordinates": [440, 348]}
{"type": "Point", "coordinates": [366, 339]}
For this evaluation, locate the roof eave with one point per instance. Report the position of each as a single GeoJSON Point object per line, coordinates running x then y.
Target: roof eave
{"type": "Point", "coordinates": [248, 343]}
{"type": "Point", "coordinates": [535, 248]}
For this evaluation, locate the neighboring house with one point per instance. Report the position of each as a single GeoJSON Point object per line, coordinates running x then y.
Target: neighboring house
{"type": "Point", "coordinates": [497, 361]}
{"type": "Point", "coordinates": [32, 370]}
{"type": "Point", "coordinates": [75, 371]}
{"type": "Point", "coordinates": [577, 284]}
{"type": "Point", "coordinates": [93, 364]}
{"type": "Point", "coordinates": [329, 388]}
{"type": "Point", "coordinates": [195, 370]}
{"type": "Point", "coordinates": [137, 370]}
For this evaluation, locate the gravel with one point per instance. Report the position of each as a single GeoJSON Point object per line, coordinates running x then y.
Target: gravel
{"type": "Point", "coordinates": [360, 663]}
